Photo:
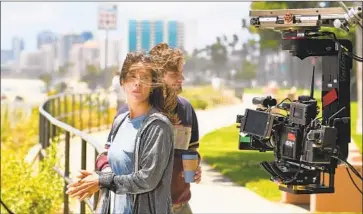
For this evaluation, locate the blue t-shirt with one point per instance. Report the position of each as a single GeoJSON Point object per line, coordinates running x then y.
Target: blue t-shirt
{"type": "Point", "coordinates": [121, 159]}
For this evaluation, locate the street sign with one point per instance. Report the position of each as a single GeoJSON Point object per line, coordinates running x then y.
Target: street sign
{"type": "Point", "coordinates": [107, 17]}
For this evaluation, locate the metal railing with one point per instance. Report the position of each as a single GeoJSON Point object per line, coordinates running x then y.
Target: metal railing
{"type": "Point", "coordinates": [71, 115]}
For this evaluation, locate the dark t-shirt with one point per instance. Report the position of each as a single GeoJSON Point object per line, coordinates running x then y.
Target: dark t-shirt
{"type": "Point", "coordinates": [189, 125]}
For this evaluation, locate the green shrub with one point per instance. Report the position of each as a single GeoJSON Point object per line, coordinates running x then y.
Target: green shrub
{"type": "Point", "coordinates": [25, 190]}
{"type": "Point", "coordinates": [203, 97]}
{"type": "Point", "coordinates": [198, 103]}
{"type": "Point", "coordinates": [19, 137]}
{"type": "Point", "coordinates": [34, 189]}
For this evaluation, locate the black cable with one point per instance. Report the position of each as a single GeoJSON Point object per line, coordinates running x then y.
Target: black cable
{"type": "Point", "coordinates": [360, 25]}
{"type": "Point", "coordinates": [350, 166]}
{"type": "Point", "coordinates": [316, 119]}
{"type": "Point", "coordinates": [7, 209]}
{"type": "Point", "coordinates": [350, 176]}
{"type": "Point", "coordinates": [353, 56]}
{"type": "Point", "coordinates": [284, 101]}
{"type": "Point", "coordinates": [334, 38]}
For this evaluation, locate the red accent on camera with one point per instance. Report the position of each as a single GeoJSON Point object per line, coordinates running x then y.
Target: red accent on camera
{"type": "Point", "coordinates": [291, 136]}
{"type": "Point", "coordinates": [330, 97]}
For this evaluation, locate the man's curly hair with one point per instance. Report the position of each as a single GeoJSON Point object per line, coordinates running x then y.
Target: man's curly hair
{"type": "Point", "coordinates": [168, 59]}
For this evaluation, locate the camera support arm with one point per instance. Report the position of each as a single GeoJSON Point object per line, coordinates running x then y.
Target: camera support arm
{"type": "Point", "coordinates": [300, 159]}
{"type": "Point", "coordinates": [336, 68]}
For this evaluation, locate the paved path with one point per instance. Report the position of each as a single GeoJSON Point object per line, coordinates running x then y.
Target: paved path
{"type": "Point", "coordinates": [216, 194]}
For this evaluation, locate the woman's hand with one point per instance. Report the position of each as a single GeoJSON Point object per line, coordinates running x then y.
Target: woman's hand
{"type": "Point", "coordinates": [85, 187]}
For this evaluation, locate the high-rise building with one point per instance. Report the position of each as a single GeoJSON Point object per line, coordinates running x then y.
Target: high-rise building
{"type": "Point", "coordinates": [49, 55]}
{"type": "Point", "coordinates": [6, 56]}
{"type": "Point", "coordinates": [81, 56]}
{"type": "Point", "coordinates": [32, 60]}
{"type": "Point", "coordinates": [145, 34]}
{"type": "Point", "coordinates": [65, 44]}
{"type": "Point", "coordinates": [46, 37]}
{"type": "Point", "coordinates": [133, 35]}
{"type": "Point", "coordinates": [86, 36]}
{"type": "Point", "coordinates": [17, 48]}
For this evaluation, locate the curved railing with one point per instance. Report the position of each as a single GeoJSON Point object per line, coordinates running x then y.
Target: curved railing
{"type": "Point", "coordinates": [69, 116]}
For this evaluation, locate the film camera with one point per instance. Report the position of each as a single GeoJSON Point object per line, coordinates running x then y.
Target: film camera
{"type": "Point", "coordinates": [305, 146]}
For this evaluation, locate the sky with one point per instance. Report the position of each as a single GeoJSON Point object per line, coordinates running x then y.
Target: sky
{"type": "Point", "coordinates": [204, 21]}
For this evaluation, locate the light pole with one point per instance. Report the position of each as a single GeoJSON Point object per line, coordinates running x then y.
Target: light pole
{"type": "Point", "coordinates": [106, 48]}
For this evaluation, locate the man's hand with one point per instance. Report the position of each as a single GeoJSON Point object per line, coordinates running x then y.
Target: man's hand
{"type": "Point", "coordinates": [197, 176]}
{"type": "Point", "coordinates": [85, 187]}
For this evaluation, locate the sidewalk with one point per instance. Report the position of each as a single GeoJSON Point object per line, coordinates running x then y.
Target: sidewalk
{"type": "Point", "coordinates": [216, 194]}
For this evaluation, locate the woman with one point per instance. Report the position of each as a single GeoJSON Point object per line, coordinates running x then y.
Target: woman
{"type": "Point", "coordinates": [141, 147]}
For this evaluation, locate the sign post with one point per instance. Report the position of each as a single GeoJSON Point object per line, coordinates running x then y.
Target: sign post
{"type": "Point", "coordinates": [107, 20]}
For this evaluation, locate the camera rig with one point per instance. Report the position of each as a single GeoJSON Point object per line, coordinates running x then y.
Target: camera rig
{"type": "Point", "coordinates": [305, 146]}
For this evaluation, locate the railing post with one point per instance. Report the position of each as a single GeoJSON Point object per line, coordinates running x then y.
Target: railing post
{"type": "Point", "coordinates": [73, 109]}
{"type": "Point", "coordinates": [53, 127]}
{"type": "Point", "coordinates": [66, 173]}
{"type": "Point", "coordinates": [47, 125]}
{"type": "Point", "coordinates": [59, 112]}
{"type": "Point", "coordinates": [99, 110]}
{"type": "Point", "coordinates": [59, 106]}
{"type": "Point", "coordinates": [66, 109]}
{"type": "Point", "coordinates": [83, 166]}
{"type": "Point", "coordinates": [108, 113]}
{"type": "Point", "coordinates": [90, 113]}
{"type": "Point", "coordinates": [80, 111]}
{"type": "Point", "coordinates": [96, 195]}
{"type": "Point", "coordinates": [41, 133]}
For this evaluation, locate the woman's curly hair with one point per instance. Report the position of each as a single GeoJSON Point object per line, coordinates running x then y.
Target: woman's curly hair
{"type": "Point", "coordinates": [168, 59]}
{"type": "Point", "coordinates": [158, 97]}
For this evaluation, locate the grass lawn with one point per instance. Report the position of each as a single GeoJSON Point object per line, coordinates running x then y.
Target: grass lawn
{"type": "Point", "coordinates": [220, 150]}
{"type": "Point", "coordinates": [353, 124]}
{"type": "Point", "coordinates": [204, 97]}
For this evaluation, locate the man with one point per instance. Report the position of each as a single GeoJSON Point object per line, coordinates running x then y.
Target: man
{"type": "Point", "coordinates": [170, 62]}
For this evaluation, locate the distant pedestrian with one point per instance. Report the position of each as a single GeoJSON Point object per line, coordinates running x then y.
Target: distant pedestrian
{"type": "Point", "coordinates": [117, 88]}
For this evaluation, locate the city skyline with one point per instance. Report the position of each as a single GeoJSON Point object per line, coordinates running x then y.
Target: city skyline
{"type": "Point", "coordinates": [202, 20]}
{"type": "Point", "coordinates": [145, 34]}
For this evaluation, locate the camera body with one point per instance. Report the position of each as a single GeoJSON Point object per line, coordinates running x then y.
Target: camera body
{"type": "Point", "coordinates": [304, 144]}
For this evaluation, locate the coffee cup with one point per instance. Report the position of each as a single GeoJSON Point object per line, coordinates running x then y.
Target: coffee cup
{"type": "Point", "coordinates": [190, 165]}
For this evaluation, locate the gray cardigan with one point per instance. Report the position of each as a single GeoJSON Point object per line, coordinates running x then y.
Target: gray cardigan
{"type": "Point", "coordinates": [150, 184]}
